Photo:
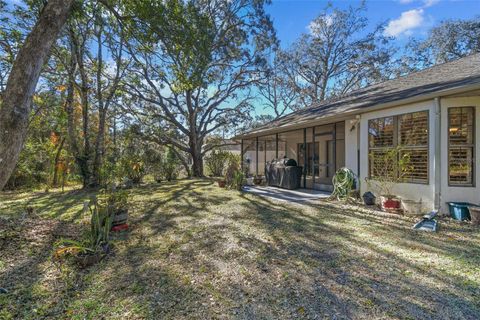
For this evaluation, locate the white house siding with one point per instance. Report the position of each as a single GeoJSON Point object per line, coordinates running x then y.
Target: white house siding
{"type": "Point", "coordinates": [463, 194]}
{"type": "Point", "coordinates": [410, 191]}
{"type": "Point", "coordinates": [351, 144]}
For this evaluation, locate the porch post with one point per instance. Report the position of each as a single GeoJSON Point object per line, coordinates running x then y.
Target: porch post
{"type": "Point", "coordinates": [305, 158]}
{"type": "Point", "coordinates": [334, 148]}
{"type": "Point", "coordinates": [256, 156]}
{"type": "Point", "coordinates": [438, 154]}
{"type": "Point", "coordinates": [313, 157]}
{"type": "Point", "coordinates": [276, 146]}
{"type": "Point", "coordinates": [242, 165]}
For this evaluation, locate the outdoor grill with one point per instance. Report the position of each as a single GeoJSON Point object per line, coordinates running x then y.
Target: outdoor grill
{"type": "Point", "coordinates": [283, 173]}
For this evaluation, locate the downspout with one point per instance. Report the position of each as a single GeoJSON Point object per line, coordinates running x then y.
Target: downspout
{"type": "Point", "coordinates": [438, 154]}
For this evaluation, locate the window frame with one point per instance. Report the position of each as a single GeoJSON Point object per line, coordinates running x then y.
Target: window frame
{"type": "Point", "coordinates": [472, 146]}
{"type": "Point", "coordinates": [396, 143]}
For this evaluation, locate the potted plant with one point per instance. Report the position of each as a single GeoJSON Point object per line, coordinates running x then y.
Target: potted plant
{"type": "Point", "coordinates": [222, 183]}
{"type": "Point", "coordinates": [237, 182]}
{"type": "Point", "coordinates": [117, 204]}
{"type": "Point", "coordinates": [95, 246]}
{"type": "Point", "coordinates": [257, 180]}
{"type": "Point", "coordinates": [391, 168]}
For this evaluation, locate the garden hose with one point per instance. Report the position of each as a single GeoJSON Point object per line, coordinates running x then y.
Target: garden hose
{"type": "Point", "coordinates": [343, 182]}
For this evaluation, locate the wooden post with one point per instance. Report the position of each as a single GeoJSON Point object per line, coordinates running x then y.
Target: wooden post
{"type": "Point", "coordinates": [276, 146]}
{"type": "Point", "coordinates": [313, 158]}
{"type": "Point", "coordinates": [242, 165]}
{"type": "Point", "coordinates": [304, 158]}
{"type": "Point", "coordinates": [334, 148]}
{"type": "Point", "coordinates": [256, 156]}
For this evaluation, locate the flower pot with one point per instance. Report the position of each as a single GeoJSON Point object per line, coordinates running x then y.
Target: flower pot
{"type": "Point", "coordinates": [257, 181]}
{"type": "Point", "coordinates": [412, 207]}
{"type": "Point", "coordinates": [249, 181]}
{"type": "Point", "coordinates": [390, 203]}
{"type": "Point", "coordinates": [369, 198]}
{"type": "Point", "coordinates": [221, 183]}
{"type": "Point", "coordinates": [475, 214]}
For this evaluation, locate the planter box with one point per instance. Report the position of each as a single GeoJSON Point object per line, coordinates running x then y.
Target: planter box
{"type": "Point", "coordinates": [412, 207]}
{"type": "Point", "coordinates": [390, 204]}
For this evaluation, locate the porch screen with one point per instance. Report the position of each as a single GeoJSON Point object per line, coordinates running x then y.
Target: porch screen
{"type": "Point", "coordinates": [407, 131]}
{"type": "Point", "coordinates": [461, 146]}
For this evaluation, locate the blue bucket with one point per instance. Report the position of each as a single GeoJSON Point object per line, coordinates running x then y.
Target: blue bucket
{"type": "Point", "coordinates": [459, 210]}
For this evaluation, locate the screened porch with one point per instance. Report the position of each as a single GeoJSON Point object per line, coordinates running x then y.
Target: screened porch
{"type": "Point", "coordinates": [319, 150]}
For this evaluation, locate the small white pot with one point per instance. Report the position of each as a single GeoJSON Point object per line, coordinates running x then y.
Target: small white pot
{"type": "Point", "coordinates": [250, 181]}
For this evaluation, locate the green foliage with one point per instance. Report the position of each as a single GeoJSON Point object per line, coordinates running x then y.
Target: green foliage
{"type": "Point", "coordinates": [390, 168]}
{"type": "Point", "coordinates": [133, 168]}
{"type": "Point", "coordinates": [237, 181]}
{"type": "Point", "coordinates": [232, 168]}
{"type": "Point", "coordinates": [115, 200]}
{"type": "Point", "coordinates": [170, 165]}
{"type": "Point", "coordinates": [343, 182]}
{"type": "Point", "coordinates": [100, 225]}
{"type": "Point", "coordinates": [96, 238]}
{"type": "Point", "coordinates": [216, 162]}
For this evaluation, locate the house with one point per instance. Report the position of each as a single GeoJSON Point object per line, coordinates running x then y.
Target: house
{"type": "Point", "coordinates": [433, 115]}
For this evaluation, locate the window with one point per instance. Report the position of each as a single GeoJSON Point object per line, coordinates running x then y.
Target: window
{"type": "Point", "coordinates": [407, 131]}
{"type": "Point", "coordinates": [461, 128]}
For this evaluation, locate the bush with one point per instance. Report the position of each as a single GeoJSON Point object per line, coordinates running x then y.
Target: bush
{"type": "Point", "coordinates": [232, 168]}
{"type": "Point", "coordinates": [216, 162]}
{"type": "Point", "coordinates": [170, 165]}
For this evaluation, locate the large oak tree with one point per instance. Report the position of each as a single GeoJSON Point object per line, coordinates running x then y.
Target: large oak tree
{"type": "Point", "coordinates": [195, 63]}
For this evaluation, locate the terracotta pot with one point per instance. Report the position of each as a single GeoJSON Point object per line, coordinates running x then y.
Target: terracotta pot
{"type": "Point", "coordinates": [221, 183]}
{"type": "Point", "coordinates": [390, 203]}
{"type": "Point", "coordinates": [475, 215]}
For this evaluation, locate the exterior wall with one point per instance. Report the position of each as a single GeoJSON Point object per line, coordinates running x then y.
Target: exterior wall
{"type": "Point", "coordinates": [410, 191]}
{"type": "Point", "coordinates": [351, 144]}
{"type": "Point", "coordinates": [462, 194]}
{"type": "Point", "coordinates": [426, 192]}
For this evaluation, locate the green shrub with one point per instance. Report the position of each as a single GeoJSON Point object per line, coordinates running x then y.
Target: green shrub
{"type": "Point", "coordinates": [216, 162]}
{"type": "Point", "coordinates": [170, 165]}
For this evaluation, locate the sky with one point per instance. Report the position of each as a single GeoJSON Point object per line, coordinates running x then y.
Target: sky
{"type": "Point", "coordinates": [403, 18]}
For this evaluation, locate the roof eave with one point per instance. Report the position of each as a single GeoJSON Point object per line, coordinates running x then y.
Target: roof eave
{"type": "Point", "coordinates": [326, 119]}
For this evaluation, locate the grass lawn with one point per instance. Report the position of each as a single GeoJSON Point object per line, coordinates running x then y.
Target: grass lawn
{"type": "Point", "coordinates": [197, 251]}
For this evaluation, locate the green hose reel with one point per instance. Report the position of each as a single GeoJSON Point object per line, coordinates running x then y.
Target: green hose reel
{"type": "Point", "coordinates": [343, 183]}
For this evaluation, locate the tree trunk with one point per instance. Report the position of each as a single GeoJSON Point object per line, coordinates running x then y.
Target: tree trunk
{"type": "Point", "coordinates": [99, 149]}
{"type": "Point", "coordinates": [17, 98]}
{"type": "Point", "coordinates": [197, 158]}
{"type": "Point", "coordinates": [55, 164]}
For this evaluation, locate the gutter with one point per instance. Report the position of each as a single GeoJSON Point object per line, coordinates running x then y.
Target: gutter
{"type": "Point", "coordinates": [438, 154]}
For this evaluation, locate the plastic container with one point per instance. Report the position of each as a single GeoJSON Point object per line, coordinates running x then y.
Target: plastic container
{"type": "Point", "coordinates": [459, 210]}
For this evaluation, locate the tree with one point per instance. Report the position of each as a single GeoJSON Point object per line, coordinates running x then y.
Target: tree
{"type": "Point", "coordinates": [337, 55]}
{"type": "Point", "coordinates": [279, 95]}
{"type": "Point", "coordinates": [22, 80]}
{"type": "Point", "coordinates": [450, 40]}
{"type": "Point", "coordinates": [194, 65]}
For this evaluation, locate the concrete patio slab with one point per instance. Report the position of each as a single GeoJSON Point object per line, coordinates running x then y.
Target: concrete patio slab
{"type": "Point", "coordinates": [298, 196]}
